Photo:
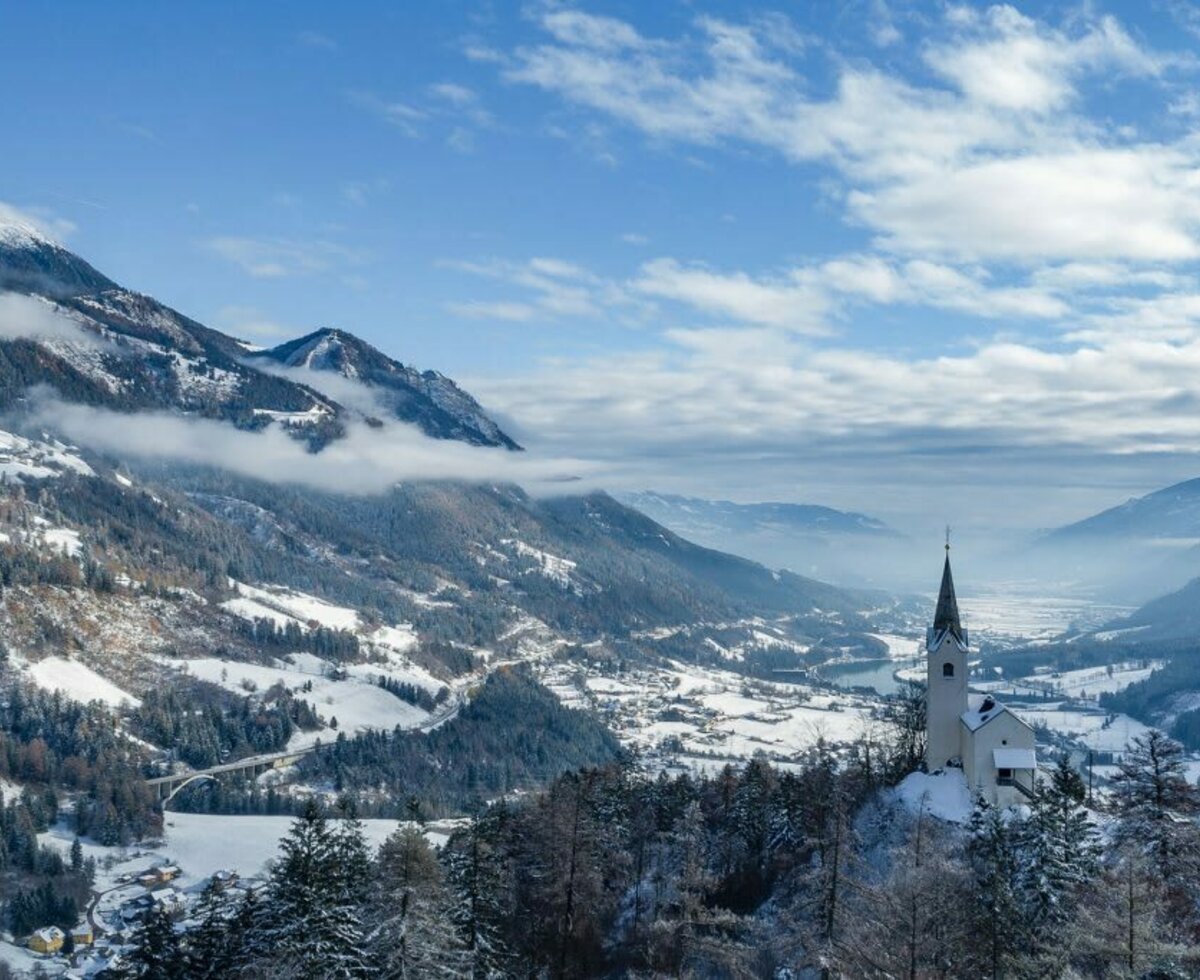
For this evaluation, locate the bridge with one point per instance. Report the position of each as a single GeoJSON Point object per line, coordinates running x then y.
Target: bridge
{"type": "Point", "coordinates": [167, 786]}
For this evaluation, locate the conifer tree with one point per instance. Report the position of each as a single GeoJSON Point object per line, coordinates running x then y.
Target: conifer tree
{"type": "Point", "coordinates": [311, 922]}
{"type": "Point", "coordinates": [413, 937]}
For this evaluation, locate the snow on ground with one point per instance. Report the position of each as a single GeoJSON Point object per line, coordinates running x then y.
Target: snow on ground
{"type": "Point", "coordinates": [696, 713]}
{"type": "Point", "coordinates": [549, 566]}
{"type": "Point", "coordinates": [298, 606]}
{"type": "Point", "coordinates": [1086, 683]}
{"type": "Point", "coordinates": [23, 962]}
{"type": "Point", "coordinates": [357, 702]}
{"type": "Point", "coordinates": [77, 681]}
{"type": "Point", "coordinates": [21, 457]}
{"type": "Point", "coordinates": [201, 843]}
{"type": "Point", "coordinates": [63, 540]}
{"type": "Point", "coordinates": [1013, 611]}
{"type": "Point", "coordinates": [1097, 730]}
{"type": "Point", "coordinates": [943, 795]}
{"type": "Point", "coordinates": [900, 647]}
{"type": "Point", "coordinates": [251, 609]}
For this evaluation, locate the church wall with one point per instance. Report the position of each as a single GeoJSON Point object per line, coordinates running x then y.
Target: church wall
{"type": "Point", "coordinates": [1003, 731]}
{"type": "Point", "coordinates": [946, 700]}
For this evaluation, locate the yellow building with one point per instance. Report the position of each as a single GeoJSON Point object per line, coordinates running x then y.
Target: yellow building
{"type": "Point", "coordinates": [81, 935]}
{"type": "Point", "coordinates": [47, 940]}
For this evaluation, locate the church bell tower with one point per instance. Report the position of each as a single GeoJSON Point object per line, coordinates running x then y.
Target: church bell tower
{"type": "Point", "coordinates": [946, 651]}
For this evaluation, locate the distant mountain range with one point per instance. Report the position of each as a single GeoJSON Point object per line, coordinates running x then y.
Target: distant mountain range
{"type": "Point", "coordinates": [803, 537]}
{"type": "Point", "coordinates": [1141, 548]}
{"type": "Point", "coordinates": [1172, 513]}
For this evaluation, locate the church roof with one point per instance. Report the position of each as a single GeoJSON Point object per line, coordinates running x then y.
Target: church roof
{"type": "Point", "coordinates": [985, 708]}
{"type": "Point", "coordinates": [946, 616]}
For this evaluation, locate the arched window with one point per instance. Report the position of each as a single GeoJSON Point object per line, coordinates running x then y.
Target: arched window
{"type": "Point", "coordinates": [947, 669]}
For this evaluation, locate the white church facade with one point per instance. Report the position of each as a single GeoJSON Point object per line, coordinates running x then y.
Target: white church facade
{"type": "Point", "coordinates": [993, 746]}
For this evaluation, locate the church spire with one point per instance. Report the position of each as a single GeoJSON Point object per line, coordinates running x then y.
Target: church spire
{"type": "Point", "coordinates": [946, 615]}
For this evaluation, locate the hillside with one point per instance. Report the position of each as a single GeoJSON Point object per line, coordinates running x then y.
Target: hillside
{"type": "Point", "coordinates": [807, 538]}
{"type": "Point", "coordinates": [122, 350]}
{"type": "Point", "coordinates": [217, 616]}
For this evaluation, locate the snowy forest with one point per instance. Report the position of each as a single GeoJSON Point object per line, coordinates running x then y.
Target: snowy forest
{"type": "Point", "coordinates": [819, 870]}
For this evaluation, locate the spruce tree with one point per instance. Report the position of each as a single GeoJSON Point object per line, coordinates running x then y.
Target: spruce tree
{"type": "Point", "coordinates": [311, 920]}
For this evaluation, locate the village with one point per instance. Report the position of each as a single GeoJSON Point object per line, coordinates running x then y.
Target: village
{"type": "Point", "coordinates": [96, 944]}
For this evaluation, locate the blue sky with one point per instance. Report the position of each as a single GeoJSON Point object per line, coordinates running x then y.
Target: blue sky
{"type": "Point", "coordinates": [905, 258]}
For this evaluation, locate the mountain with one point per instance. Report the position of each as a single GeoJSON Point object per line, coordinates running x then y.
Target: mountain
{"type": "Point", "coordinates": [133, 354]}
{"type": "Point", "coordinates": [425, 398]}
{"type": "Point", "coordinates": [805, 537]}
{"type": "Point", "coordinates": [481, 568]}
{"type": "Point", "coordinates": [1143, 547]}
{"type": "Point", "coordinates": [1170, 513]}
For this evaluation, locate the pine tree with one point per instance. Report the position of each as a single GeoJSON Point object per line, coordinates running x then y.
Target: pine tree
{"type": "Point", "coordinates": [310, 924]}
{"type": "Point", "coordinates": [1153, 799]}
{"type": "Point", "coordinates": [477, 877]}
{"type": "Point", "coordinates": [413, 937]}
{"type": "Point", "coordinates": [992, 854]}
{"type": "Point", "coordinates": [157, 951]}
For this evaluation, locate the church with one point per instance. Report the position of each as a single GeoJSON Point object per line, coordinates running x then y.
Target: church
{"type": "Point", "coordinates": [991, 744]}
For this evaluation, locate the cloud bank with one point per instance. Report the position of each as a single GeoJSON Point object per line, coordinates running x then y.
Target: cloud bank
{"type": "Point", "coordinates": [367, 460]}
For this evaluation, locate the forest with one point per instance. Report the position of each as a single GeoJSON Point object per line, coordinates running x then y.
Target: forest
{"type": "Point", "coordinates": [753, 872]}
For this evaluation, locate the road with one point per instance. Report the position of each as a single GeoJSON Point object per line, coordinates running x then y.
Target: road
{"type": "Point", "coordinates": [275, 760]}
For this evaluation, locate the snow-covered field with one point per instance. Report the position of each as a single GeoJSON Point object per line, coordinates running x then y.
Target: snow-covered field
{"type": "Point", "coordinates": [1086, 683]}
{"type": "Point", "coordinates": [76, 681]}
{"type": "Point", "coordinates": [1096, 730]}
{"type": "Point", "coordinates": [357, 702]}
{"type": "Point", "coordinates": [706, 714]}
{"type": "Point", "coordinates": [201, 843]}
{"type": "Point", "coordinates": [1014, 612]}
{"type": "Point", "coordinates": [283, 605]}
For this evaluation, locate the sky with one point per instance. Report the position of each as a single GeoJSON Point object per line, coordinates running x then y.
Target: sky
{"type": "Point", "coordinates": [935, 262]}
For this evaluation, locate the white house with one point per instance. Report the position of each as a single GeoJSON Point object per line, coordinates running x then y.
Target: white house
{"type": "Point", "coordinates": [993, 746]}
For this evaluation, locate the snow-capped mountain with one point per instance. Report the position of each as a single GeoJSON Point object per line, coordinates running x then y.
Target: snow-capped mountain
{"type": "Point", "coordinates": [429, 399]}
{"type": "Point", "coordinates": [475, 570]}
{"type": "Point", "coordinates": [133, 353]}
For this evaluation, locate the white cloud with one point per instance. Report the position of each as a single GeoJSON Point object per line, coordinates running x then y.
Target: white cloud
{"type": "Point", "coordinates": [277, 258]}
{"type": "Point", "coordinates": [246, 321]}
{"type": "Point", "coordinates": [315, 39]}
{"type": "Point", "coordinates": [805, 299]}
{"type": "Point", "coordinates": [402, 115]}
{"type": "Point", "coordinates": [551, 288]}
{"type": "Point", "coordinates": [32, 318]}
{"type": "Point", "coordinates": [1013, 62]}
{"type": "Point", "coordinates": [790, 302]}
{"type": "Point", "coordinates": [367, 460]}
{"type": "Point", "coordinates": [722, 393]}
{"type": "Point", "coordinates": [1003, 166]}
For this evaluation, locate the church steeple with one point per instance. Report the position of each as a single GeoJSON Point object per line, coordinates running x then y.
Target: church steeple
{"type": "Point", "coordinates": [946, 616]}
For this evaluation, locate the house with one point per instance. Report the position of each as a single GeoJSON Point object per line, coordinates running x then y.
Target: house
{"type": "Point", "coordinates": [224, 879]}
{"type": "Point", "coordinates": [173, 902]}
{"type": "Point", "coordinates": [148, 879]}
{"type": "Point", "coordinates": [82, 935]}
{"type": "Point", "coordinates": [167, 872]}
{"type": "Point", "coordinates": [47, 940]}
{"type": "Point", "coordinates": [994, 747]}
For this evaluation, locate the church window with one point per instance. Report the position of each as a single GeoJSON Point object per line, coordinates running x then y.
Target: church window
{"type": "Point", "coordinates": [947, 669]}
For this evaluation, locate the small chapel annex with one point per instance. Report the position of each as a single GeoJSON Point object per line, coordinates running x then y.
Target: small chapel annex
{"type": "Point", "coordinates": [993, 746]}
